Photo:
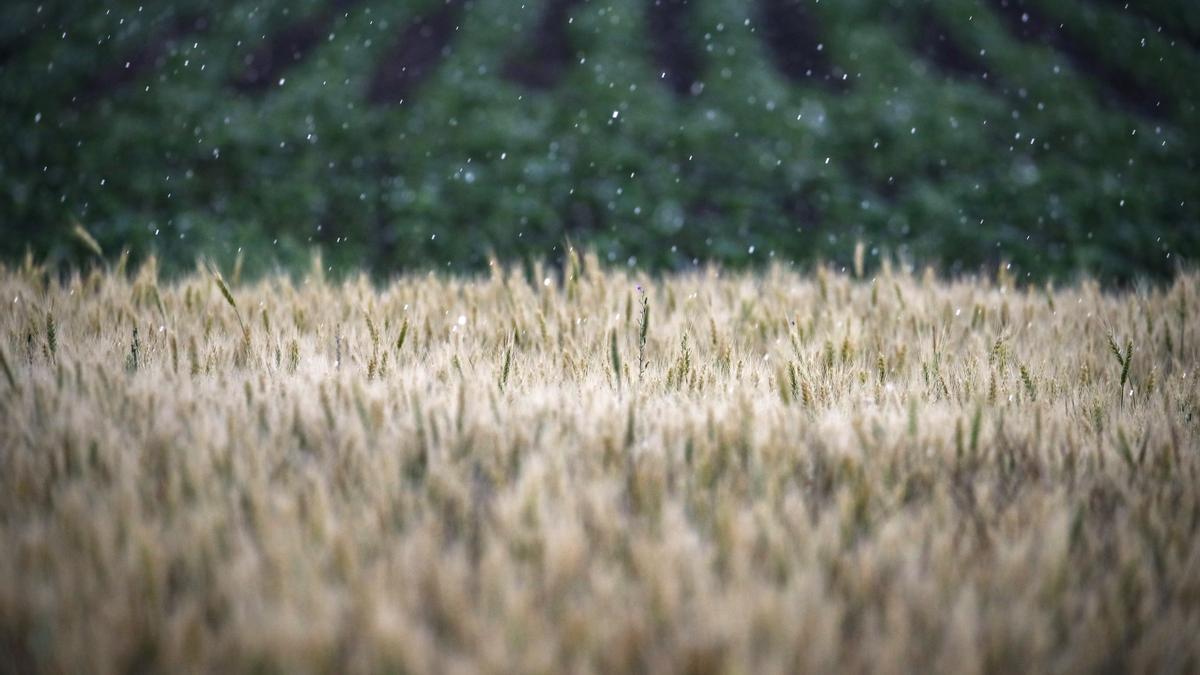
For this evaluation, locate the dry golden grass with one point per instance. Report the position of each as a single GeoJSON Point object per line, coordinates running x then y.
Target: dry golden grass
{"type": "Point", "coordinates": [728, 473]}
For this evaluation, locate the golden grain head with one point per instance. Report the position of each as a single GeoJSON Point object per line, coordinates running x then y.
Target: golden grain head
{"type": "Point", "coordinates": [948, 475]}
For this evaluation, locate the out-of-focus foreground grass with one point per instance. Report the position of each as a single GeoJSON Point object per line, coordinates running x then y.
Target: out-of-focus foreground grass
{"type": "Point", "coordinates": [594, 471]}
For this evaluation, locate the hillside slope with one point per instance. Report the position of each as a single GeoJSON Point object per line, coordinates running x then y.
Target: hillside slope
{"type": "Point", "coordinates": [1060, 136]}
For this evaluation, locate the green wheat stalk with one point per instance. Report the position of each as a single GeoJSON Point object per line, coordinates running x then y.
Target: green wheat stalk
{"type": "Point", "coordinates": [976, 426]}
{"type": "Point", "coordinates": [1027, 379]}
{"type": "Point", "coordinates": [643, 330]}
{"type": "Point", "coordinates": [1123, 359]}
{"type": "Point", "coordinates": [615, 356]}
{"type": "Point", "coordinates": [134, 360]}
{"type": "Point", "coordinates": [229, 298]}
{"type": "Point", "coordinates": [403, 335]}
{"type": "Point", "coordinates": [505, 369]}
{"type": "Point", "coordinates": [51, 336]}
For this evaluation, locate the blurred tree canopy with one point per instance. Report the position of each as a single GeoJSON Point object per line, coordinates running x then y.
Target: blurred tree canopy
{"type": "Point", "coordinates": [1060, 136]}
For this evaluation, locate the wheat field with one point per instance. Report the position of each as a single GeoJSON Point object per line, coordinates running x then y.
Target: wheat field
{"type": "Point", "coordinates": [582, 469]}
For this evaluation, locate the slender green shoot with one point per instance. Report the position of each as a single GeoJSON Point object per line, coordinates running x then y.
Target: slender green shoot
{"type": "Point", "coordinates": [615, 356]}
{"type": "Point", "coordinates": [229, 298]}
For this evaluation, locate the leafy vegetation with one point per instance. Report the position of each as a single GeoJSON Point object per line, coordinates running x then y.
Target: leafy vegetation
{"type": "Point", "coordinates": [795, 473]}
{"type": "Point", "coordinates": [1056, 136]}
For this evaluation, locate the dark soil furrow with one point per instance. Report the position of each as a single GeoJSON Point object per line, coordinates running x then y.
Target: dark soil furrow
{"type": "Point", "coordinates": [288, 47]}
{"type": "Point", "coordinates": [415, 55]}
{"type": "Point", "coordinates": [147, 58]}
{"type": "Point", "coordinates": [1121, 88]}
{"type": "Point", "coordinates": [1175, 25]}
{"type": "Point", "coordinates": [675, 54]}
{"type": "Point", "coordinates": [935, 43]}
{"type": "Point", "coordinates": [543, 63]}
{"type": "Point", "coordinates": [793, 36]}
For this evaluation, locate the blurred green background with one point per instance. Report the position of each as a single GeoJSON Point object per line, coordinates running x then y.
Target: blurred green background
{"type": "Point", "coordinates": [1058, 135]}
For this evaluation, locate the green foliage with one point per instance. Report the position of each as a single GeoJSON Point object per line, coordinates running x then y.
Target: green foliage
{"type": "Point", "coordinates": [1035, 165]}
